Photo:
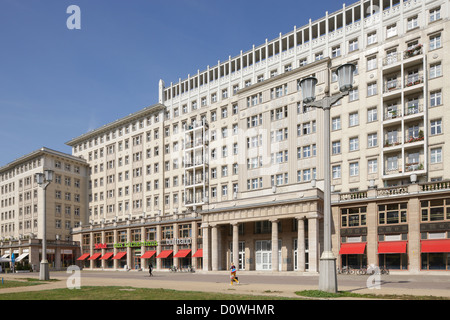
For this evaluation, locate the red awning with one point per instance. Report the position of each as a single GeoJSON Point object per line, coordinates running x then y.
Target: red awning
{"type": "Point", "coordinates": [83, 257]}
{"type": "Point", "coordinates": [165, 253]}
{"type": "Point", "coordinates": [95, 256]}
{"type": "Point", "coordinates": [120, 255]}
{"type": "Point", "coordinates": [148, 254]}
{"type": "Point", "coordinates": [182, 253]}
{"type": "Point", "coordinates": [430, 246]}
{"type": "Point", "coordinates": [198, 254]}
{"type": "Point", "coordinates": [107, 256]}
{"type": "Point", "coordinates": [392, 247]}
{"type": "Point", "coordinates": [352, 248]}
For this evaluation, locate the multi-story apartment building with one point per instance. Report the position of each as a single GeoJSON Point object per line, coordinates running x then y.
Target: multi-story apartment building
{"type": "Point", "coordinates": [22, 205]}
{"type": "Point", "coordinates": [229, 160]}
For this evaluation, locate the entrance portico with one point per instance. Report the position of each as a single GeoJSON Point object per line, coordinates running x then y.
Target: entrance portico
{"type": "Point", "coordinates": [279, 236]}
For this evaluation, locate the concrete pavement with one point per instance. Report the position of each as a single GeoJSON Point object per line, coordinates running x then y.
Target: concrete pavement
{"type": "Point", "coordinates": [252, 283]}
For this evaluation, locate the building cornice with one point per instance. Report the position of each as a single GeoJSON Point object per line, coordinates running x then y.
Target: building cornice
{"type": "Point", "coordinates": [40, 152]}
{"type": "Point", "coordinates": [107, 127]}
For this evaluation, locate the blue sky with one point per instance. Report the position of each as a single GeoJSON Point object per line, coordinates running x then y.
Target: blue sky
{"type": "Point", "coordinates": [56, 83]}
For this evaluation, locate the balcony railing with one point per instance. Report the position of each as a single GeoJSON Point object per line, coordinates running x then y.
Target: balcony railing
{"type": "Point", "coordinates": [392, 114]}
{"type": "Point", "coordinates": [417, 50]}
{"type": "Point", "coordinates": [413, 109]}
{"type": "Point", "coordinates": [398, 56]}
{"type": "Point", "coordinates": [409, 167]}
{"type": "Point", "coordinates": [412, 80]}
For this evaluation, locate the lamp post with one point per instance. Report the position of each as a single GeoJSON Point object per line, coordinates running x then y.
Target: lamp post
{"type": "Point", "coordinates": [43, 180]}
{"type": "Point", "coordinates": [327, 276]}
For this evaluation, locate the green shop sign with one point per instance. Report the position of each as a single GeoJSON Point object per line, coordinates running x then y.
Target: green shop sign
{"type": "Point", "coordinates": [136, 244]}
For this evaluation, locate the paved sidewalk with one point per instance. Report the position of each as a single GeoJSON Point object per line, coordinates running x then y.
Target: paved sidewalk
{"type": "Point", "coordinates": [267, 285]}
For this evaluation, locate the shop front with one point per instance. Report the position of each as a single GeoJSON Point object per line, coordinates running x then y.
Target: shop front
{"type": "Point", "coordinates": [435, 254]}
{"type": "Point", "coordinates": [353, 255]}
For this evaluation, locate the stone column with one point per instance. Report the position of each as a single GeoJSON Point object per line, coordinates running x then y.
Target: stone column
{"type": "Point", "coordinates": [214, 248]}
{"type": "Point", "coordinates": [143, 239]}
{"type": "Point", "coordinates": [175, 245]}
{"type": "Point", "coordinates": [103, 262]}
{"type": "Point", "coordinates": [275, 261]}
{"type": "Point", "coordinates": [413, 248]}
{"type": "Point", "coordinates": [235, 245]}
{"type": "Point", "coordinates": [91, 249]}
{"type": "Point", "coordinates": [115, 262]}
{"type": "Point", "coordinates": [158, 247]}
{"type": "Point", "coordinates": [301, 245]}
{"type": "Point", "coordinates": [206, 240]}
{"type": "Point", "coordinates": [129, 258]}
{"type": "Point", "coordinates": [194, 244]}
{"type": "Point", "coordinates": [313, 241]}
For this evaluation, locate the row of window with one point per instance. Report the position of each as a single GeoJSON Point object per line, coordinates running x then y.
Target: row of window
{"type": "Point", "coordinates": [397, 213]}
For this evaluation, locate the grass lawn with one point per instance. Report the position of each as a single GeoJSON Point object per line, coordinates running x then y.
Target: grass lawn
{"type": "Point", "coordinates": [128, 293]}
{"type": "Point", "coordinates": [7, 283]}
{"type": "Point", "coordinates": [344, 294]}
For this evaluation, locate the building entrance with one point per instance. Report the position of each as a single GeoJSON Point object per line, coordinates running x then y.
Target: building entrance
{"type": "Point", "coordinates": [263, 255]}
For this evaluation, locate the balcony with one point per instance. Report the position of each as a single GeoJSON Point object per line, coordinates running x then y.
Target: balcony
{"type": "Point", "coordinates": [416, 166]}
{"type": "Point", "coordinates": [413, 109]}
{"type": "Point", "coordinates": [391, 114]}
{"type": "Point", "coordinates": [415, 51]}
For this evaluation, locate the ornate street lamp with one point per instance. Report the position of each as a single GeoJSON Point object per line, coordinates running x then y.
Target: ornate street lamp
{"type": "Point", "coordinates": [43, 180]}
{"type": "Point", "coordinates": [327, 276]}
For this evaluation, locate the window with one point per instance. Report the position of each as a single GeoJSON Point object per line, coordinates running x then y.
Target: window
{"type": "Point", "coordinates": [435, 127]}
{"type": "Point", "coordinates": [435, 98]}
{"type": "Point", "coordinates": [413, 22]}
{"type": "Point", "coordinates": [372, 140]}
{"type": "Point", "coordinates": [372, 114]}
{"type": "Point", "coordinates": [392, 163]}
{"type": "Point", "coordinates": [435, 14]}
{"type": "Point", "coordinates": [336, 147]}
{"type": "Point", "coordinates": [435, 210]}
{"type": "Point", "coordinates": [353, 119]}
{"type": "Point", "coordinates": [391, 30]}
{"type": "Point", "coordinates": [435, 41]}
{"type": "Point", "coordinates": [354, 169]}
{"type": "Point", "coordinates": [372, 165]}
{"type": "Point", "coordinates": [319, 56]}
{"type": "Point", "coordinates": [279, 113]}
{"type": "Point", "coordinates": [371, 38]}
{"type": "Point", "coordinates": [336, 52]}
{"type": "Point", "coordinates": [336, 171]}
{"type": "Point", "coordinates": [371, 89]}
{"type": "Point", "coordinates": [354, 144]}
{"type": "Point", "coordinates": [353, 95]}
{"type": "Point", "coordinates": [353, 217]}
{"type": "Point", "coordinates": [435, 70]}
{"type": "Point", "coordinates": [353, 45]}
{"type": "Point", "coordinates": [436, 155]}
{"type": "Point", "coordinates": [371, 63]}
{"type": "Point", "coordinates": [392, 213]}
{"type": "Point", "coordinates": [336, 123]}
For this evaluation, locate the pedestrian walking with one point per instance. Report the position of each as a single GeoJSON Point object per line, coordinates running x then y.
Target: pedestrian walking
{"type": "Point", "coordinates": [233, 277]}
{"type": "Point", "coordinates": [150, 270]}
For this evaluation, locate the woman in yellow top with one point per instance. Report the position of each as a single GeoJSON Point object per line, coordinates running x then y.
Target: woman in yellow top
{"type": "Point", "coordinates": [233, 276]}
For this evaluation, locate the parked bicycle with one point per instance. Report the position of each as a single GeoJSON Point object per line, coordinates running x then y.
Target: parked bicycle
{"type": "Point", "coordinates": [173, 269]}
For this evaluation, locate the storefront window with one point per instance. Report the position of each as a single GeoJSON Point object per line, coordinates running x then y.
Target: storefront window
{"type": "Point", "coordinates": [392, 213]}
{"type": "Point", "coordinates": [184, 231]}
{"type": "Point", "coordinates": [167, 232]}
{"type": "Point", "coordinates": [435, 261]}
{"type": "Point", "coordinates": [435, 210]}
{"type": "Point", "coordinates": [150, 234]}
{"type": "Point", "coordinates": [353, 217]}
{"type": "Point", "coordinates": [136, 235]}
{"type": "Point", "coordinates": [122, 236]}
